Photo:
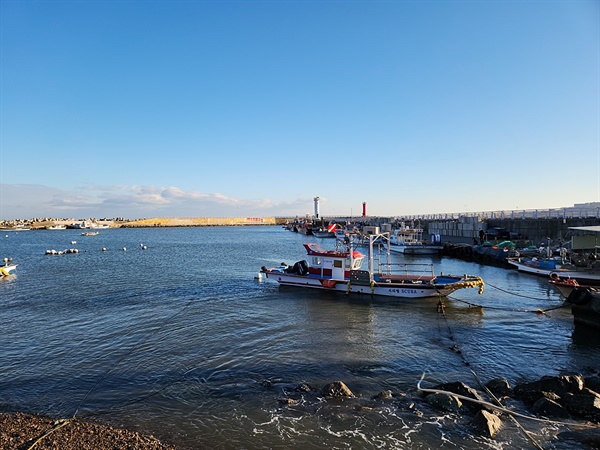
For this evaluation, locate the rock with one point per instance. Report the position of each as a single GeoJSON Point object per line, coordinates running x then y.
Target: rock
{"type": "Point", "coordinates": [303, 387]}
{"type": "Point", "coordinates": [444, 402]}
{"type": "Point", "coordinates": [530, 392]}
{"type": "Point", "coordinates": [499, 386]}
{"type": "Point", "coordinates": [589, 438]}
{"type": "Point", "coordinates": [585, 404]}
{"type": "Point", "coordinates": [550, 408]}
{"type": "Point", "coordinates": [384, 395]}
{"type": "Point", "coordinates": [592, 383]}
{"type": "Point", "coordinates": [487, 423]}
{"type": "Point", "coordinates": [464, 390]}
{"type": "Point", "coordinates": [337, 389]}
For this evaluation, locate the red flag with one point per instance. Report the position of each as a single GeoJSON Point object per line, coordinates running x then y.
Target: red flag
{"type": "Point", "coordinates": [331, 228]}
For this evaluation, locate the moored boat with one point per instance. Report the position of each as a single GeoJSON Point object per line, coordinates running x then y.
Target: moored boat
{"type": "Point", "coordinates": [539, 266]}
{"type": "Point", "coordinates": [409, 240]}
{"type": "Point", "coordinates": [340, 270]}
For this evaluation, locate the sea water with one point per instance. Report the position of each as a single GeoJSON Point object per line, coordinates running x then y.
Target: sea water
{"type": "Point", "coordinates": [169, 331]}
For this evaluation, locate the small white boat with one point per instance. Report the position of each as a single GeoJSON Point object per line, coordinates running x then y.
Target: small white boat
{"type": "Point", "coordinates": [15, 228]}
{"type": "Point", "coordinates": [340, 270]}
{"type": "Point", "coordinates": [89, 233]}
{"type": "Point", "coordinates": [57, 227]}
{"type": "Point", "coordinates": [409, 240]}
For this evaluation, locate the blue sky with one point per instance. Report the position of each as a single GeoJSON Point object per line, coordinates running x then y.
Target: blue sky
{"type": "Point", "coordinates": [252, 108]}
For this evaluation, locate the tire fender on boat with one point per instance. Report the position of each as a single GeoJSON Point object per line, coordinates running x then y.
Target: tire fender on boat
{"type": "Point", "coordinates": [579, 297]}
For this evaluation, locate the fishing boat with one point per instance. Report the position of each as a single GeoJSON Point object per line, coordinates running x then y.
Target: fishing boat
{"type": "Point", "coordinates": [565, 285]}
{"type": "Point", "coordinates": [538, 266]}
{"type": "Point", "coordinates": [341, 270]}
{"type": "Point", "coordinates": [409, 240]}
{"type": "Point", "coordinates": [325, 232]}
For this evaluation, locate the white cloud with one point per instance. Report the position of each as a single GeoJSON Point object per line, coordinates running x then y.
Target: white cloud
{"type": "Point", "coordinates": [28, 201]}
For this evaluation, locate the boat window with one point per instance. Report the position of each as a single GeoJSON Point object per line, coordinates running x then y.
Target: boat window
{"type": "Point", "coordinates": [316, 261]}
{"type": "Point", "coordinates": [337, 264]}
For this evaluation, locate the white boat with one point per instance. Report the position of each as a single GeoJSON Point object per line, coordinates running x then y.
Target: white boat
{"type": "Point", "coordinates": [57, 227]}
{"type": "Point", "coordinates": [340, 270]}
{"type": "Point", "coordinates": [15, 228]}
{"type": "Point", "coordinates": [538, 266]}
{"type": "Point", "coordinates": [409, 241]}
{"type": "Point", "coordinates": [7, 268]}
{"type": "Point", "coordinates": [86, 225]}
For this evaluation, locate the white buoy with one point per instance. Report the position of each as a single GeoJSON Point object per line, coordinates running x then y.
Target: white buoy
{"type": "Point", "coordinates": [259, 276]}
{"type": "Point", "coordinates": [124, 249]}
{"type": "Point", "coordinates": [103, 249]}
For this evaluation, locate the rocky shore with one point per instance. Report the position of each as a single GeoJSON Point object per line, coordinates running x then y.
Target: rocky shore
{"type": "Point", "coordinates": [569, 404]}
{"type": "Point", "coordinates": [20, 431]}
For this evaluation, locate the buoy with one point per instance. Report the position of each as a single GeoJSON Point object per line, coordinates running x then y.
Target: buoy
{"type": "Point", "coordinates": [124, 249]}
{"type": "Point", "coordinates": [258, 276]}
{"type": "Point", "coordinates": [103, 249]}
{"type": "Point", "coordinates": [144, 247]}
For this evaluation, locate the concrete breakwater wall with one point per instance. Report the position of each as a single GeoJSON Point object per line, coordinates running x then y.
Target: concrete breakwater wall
{"type": "Point", "coordinates": [538, 230]}
{"type": "Point", "coordinates": [197, 222]}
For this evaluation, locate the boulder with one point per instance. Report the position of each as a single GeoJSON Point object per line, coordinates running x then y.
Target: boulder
{"type": "Point", "coordinates": [592, 383]}
{"type": "Point", "coordinates": [384, 395]}
{"type": "Point", "coordinates": [337, 389]}
{"type": "Point", "coordinates": [560, 385]}
{"type": "Point", "coordinates": [550, 408]}
{"type": "Point", "coordinates": [585, 404]}
{"type": "Point", "coordinates": [464, 390]}
{"type": "Point", "coordinates": [586, 438]}
{"type": "Point", "coordinates": [487, 423]}
{"type": "Point", "coordinates": [499, 386]}
{"type": "Point", "coordinates": [444, 402]}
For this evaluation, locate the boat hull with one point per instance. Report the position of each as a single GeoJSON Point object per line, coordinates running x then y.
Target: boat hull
{"type": "Point", "coordinates": [416, 249]}
{"type": "Point", "coordinates": [398, 290]}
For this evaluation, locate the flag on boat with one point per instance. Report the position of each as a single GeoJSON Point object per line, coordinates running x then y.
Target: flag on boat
{"type": "Point", "coordinates": [331, 228]}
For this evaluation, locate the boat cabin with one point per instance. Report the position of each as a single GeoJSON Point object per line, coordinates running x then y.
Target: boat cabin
{"type": "Point", "coordinates": [332, 263]}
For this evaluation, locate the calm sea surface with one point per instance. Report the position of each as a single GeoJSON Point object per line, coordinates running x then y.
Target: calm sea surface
{"type": "Point", "coordinates": [181, 341]}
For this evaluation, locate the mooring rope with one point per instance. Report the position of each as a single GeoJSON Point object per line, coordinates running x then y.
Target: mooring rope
{"type": "Point", "coordinates": [499, 308]}
{"type": "Point", "coordinates": [498, 407]}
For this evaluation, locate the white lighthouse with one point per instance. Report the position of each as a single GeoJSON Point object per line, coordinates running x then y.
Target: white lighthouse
{"type": "Point", "coordinates": [316, 199]}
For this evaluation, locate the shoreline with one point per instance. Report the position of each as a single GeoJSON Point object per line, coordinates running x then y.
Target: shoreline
{"type": "Point", "coordinates": [154, 222]}
{"type": "Point", "coordinates": [22, 430]}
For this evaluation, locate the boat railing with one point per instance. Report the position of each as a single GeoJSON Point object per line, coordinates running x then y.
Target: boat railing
{"type": "Point", "coordinates": [404, 269]}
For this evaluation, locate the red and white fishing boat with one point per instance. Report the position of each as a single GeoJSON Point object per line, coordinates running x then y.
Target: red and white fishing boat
{"type": "Point", "coordinates": [340, 270]}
